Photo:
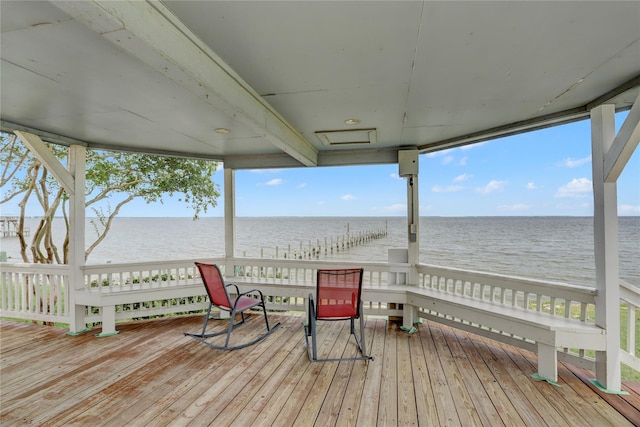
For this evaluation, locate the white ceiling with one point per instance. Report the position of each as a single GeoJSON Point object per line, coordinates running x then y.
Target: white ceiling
{"type": "Point", "coordinates": [161, 77]}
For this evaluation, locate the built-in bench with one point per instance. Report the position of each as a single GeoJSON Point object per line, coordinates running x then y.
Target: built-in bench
{"type": "Point", "coordinates": [517, 326]}
{"type": "Point", "coordinates": [132, 294]}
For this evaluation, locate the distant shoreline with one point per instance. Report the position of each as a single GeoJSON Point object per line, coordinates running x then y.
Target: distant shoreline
{"type": "Point", "coordinates": [343, 216]}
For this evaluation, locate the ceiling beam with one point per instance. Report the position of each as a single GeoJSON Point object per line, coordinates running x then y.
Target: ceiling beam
{"type": "Point", "coordinates": [325, 158]}
{"type": "Point", "coordinates": [151, 33]}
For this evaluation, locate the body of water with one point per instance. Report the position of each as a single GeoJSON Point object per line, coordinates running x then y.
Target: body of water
{"type": "Point", "coordinates": [551, 248]}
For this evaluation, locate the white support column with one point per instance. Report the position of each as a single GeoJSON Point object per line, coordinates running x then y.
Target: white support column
{"type": "Point", "coordinates": [77, 167]}
{"type": "Point", "coordinates": [408, 168]}
{"type": "Point", "coordinates": [605, 218]}
{"type": "Point", "coordinates": [229, 219]}
{"type": "Point", "coordinates": [413, 228]}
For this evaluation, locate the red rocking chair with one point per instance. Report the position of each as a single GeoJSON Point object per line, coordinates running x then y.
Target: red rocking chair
{"type": "Point", "coordinates": [219, 297]}
{"type": "Point", "coordinates": [338, 297]}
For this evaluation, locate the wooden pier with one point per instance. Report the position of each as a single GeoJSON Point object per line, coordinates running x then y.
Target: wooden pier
{"type": "Point", "coordinates": [9, 227]}
{"type": "Point", "coordinates": [328, 245]}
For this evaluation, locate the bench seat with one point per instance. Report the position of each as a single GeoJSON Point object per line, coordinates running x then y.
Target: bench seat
{"type": "Point", "coordinates": [548, 332]}
{"type": "Point", "coordinates": [131, 294]}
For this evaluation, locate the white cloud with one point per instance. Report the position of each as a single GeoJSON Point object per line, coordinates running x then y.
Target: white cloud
{"type": "Point", "coordinates": [518, 207]}
{"type": "Point", "coordinates": [449, 189]}
{"type": "Point", "coordinates": [628, 210]}
{"type": "Point", "coordinates": [301, 185]}
{"type": "Point", "coordinates": [447, 159]}
{"type": "Point", "coordinates": [463, 177]}
{"type": "Point", "coordinates": [492, 187]}
{"type": "Point", "coordinates": [574, 163]}
{"type": "Point", "coordinates": [531, 186]}
{"type": "Point", "coordinates": [274, 182]}
{"type": "Point", "coordinates": [578, 187]}
{"type": "Point", "coordinates": [348, 197]}
{"type": "Point", "coordinates": [395, 176]}
{"type": "Point", "coordinates": [463, 161]}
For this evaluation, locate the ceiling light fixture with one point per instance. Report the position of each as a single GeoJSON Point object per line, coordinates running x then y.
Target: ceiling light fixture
{"type": "Point", "coordinates": [352, 121]}
{"type": "Point", "coordinates": [223, 131]}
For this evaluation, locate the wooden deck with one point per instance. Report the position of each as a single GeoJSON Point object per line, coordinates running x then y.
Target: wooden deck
{"type": "Point", "coordinates": [150, 374]}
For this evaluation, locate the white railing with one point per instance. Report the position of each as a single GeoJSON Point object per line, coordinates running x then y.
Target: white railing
{"type": "Point", "coordinates": [37, 292]}
{"type": "Point", "coordinates": [286, 284]}
{"type": "Point", "coordinates": [142, 290]}
{"type": "Point", "coordinates": [551, 298]}
{"type": "Point", "coordinates": [112, 278]}
{"type": "Point", "coordinates": [630, 297]}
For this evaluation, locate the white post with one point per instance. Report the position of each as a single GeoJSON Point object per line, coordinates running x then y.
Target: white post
{"type": "Point", "coordinates": [413, 227]}
{"type": "Point", "coordinates": [229, 220]}
{"type": "Point", "coordinates": [77, 167]}
{"type": "Point", "coordinates": [605, 219]}
{"type": "Point", "coordinates": [408, 168]}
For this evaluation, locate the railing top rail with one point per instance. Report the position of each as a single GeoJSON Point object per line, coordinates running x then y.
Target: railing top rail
{"type": "Point", "coordinates": [144, 265]}
{"type": "Point", "coordinates": [35, 268]}
{"type": "Point", "coordinates": [630, 293]}
{"type": "Point", "coordinates": [461, 274]}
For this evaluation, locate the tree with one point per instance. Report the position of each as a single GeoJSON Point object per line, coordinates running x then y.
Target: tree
{"type": "Point", "coordinates": [110, 176]}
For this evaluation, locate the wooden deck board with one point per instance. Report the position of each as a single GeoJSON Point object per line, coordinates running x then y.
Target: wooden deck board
{"type": "Point", "coordinates": [545, 413]}
{"type": "Point", "coordinates": [426, 409]}
{"type": "Point", "coordinates": [150, 374]}
{"type": "Point", "coordinates": [475, 394]}
{"type": "Point", "coordinates": [452, 377]}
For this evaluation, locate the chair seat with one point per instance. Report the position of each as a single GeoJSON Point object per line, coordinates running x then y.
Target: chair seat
{"type": "Point", "coordinates": [245, 303]}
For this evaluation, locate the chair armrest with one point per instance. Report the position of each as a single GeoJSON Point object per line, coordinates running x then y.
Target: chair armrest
{"type": "Point", "coordinates": [235, 286]}
{"type": "Point", "coordinates": [245, 293]}
{"type": "Point", "coordinates": [252, 291]}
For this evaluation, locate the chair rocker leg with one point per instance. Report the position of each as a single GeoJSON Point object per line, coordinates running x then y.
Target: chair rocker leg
{"type": "Point", "coordinates": [232, 325]}
{"type": "Point", "coordinates": [312, 350]}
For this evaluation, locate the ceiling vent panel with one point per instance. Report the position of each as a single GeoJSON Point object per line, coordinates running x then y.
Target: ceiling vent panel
{"type": "Point", "coordinates": [347, 137]}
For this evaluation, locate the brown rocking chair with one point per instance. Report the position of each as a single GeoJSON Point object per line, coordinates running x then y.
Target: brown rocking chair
{"type": "Point", "coordinates": [219, 297]}
{"type": "Point", "coordinates": [338, 297]}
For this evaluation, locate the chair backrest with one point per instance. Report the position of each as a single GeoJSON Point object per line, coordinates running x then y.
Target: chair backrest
{"type": "Point", "coordinates": [338, 293]}
{"type": "Point", "coordinates": [214, 284]}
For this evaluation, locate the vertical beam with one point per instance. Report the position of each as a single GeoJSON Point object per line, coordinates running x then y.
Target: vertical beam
{"type": "Point", "coordinates": [229, 219]}
{"type": "Point", "coordinates": [413, 227]}
{"type": "Point", "coordinates": [605, 219]}
{"type": "Point", "coordinates": [408, 167]}
{"type": "Point", "coordinates": [77, 169]}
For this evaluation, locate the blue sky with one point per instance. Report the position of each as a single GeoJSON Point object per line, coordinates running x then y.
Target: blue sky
{"type": "Point", "coordinates": [542, 173]}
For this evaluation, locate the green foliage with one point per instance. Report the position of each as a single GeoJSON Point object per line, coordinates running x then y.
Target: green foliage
{"type": "Point", "coordinates": [150, 178]}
